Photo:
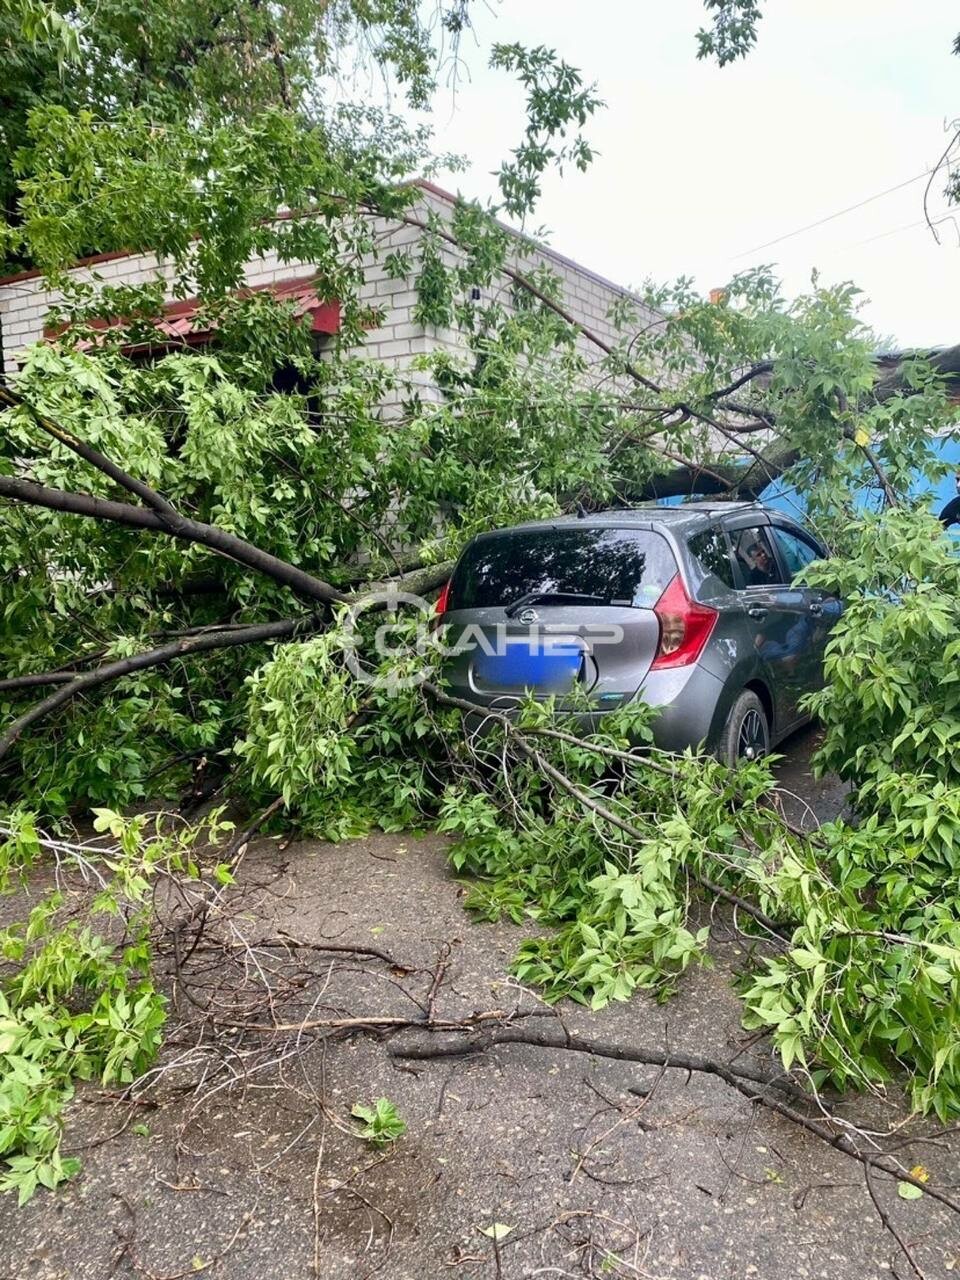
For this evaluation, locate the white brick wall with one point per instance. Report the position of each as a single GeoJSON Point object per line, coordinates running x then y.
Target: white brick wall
{"type": "Point", "coordinates": [25, 302]}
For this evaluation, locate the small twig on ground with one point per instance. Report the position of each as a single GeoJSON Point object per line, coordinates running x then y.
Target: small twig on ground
{"type": "Point", "coordinates": [441, 969]}
{"type": "Point", "coordinates": [888, 1224]}
{"type": "Point", "coordinates": [239, 843]}
{"type": "Point", "coordinates": [286, 941]}
{"type": "Point", "coordinates": [377, 1022]}
{"type": "Point", "coordinates": [198, 1264]}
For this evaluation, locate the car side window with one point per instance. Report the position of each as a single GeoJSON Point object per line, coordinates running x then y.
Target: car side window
{"type": "Point", "coordinates": [710, 550]}
{"type": "Point", "coordinates": [797, 552]}
{"type": "Point", "coordinates": [755, 562]}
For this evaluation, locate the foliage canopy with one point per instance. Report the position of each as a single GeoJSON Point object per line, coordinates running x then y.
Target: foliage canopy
{"type": "Point", "coordinates": [179, 536]}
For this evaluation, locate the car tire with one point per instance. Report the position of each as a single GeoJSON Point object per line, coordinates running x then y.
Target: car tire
{"type": "Point", "coordinates": [746, 733]}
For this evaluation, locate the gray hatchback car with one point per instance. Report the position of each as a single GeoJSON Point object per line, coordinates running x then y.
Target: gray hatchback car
{"type": "Point", "coordinates": [692, 608]}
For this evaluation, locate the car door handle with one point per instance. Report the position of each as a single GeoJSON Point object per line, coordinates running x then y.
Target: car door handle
{"type": "Point", "coordinates": [757, 611]}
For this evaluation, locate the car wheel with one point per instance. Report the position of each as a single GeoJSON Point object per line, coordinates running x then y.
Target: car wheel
{"type": "Point", "coordinates": [746, 734]}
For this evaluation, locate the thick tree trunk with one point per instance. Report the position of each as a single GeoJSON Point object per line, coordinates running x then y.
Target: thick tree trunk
{"type": "Point", "coordinates": [745, 480]}
{"type": "Point", "coordinates": [946, 363]}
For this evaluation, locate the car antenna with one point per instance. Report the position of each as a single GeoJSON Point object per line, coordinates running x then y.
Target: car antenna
{"type": "Point", "coordinates": [581, 511]}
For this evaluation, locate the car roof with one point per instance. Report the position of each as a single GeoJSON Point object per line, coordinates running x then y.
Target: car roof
{"type": "Point", "coordinates": [683, 519]}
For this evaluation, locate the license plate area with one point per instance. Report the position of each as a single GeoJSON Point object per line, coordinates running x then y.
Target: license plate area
{"type": "Point", "coordinates": [543, 665]}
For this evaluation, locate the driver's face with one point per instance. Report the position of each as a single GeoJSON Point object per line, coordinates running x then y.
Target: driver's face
{"type": "Point", "coordinates": [760, 558]}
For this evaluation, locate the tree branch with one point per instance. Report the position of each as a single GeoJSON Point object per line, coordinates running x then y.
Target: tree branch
{"type": "Point", "coordinates": [757, 371]}
{"type": "Point", "coordinates": [417, 582]}
{"type": "Point", "coordinates": [481, 1040]}
{"type": "Point", "coordinates": [207, 535]}
{"type": "Point", "coordinates": [15, 683]}
{"type": "Point", "coordinates": [746, 481]}
{"type": "Point", "coordinates": [889, 493]}
{"type": "Point", "coordinates": [182, 648]}
{"type": "Point", "coordinates": [158, 514]}
{"type": "Point", "coordinates": [10, 399]}
{"type": "Point", "coordinates": [591, 803]}
{"type": "Point", "coordinates": [754, 1086]}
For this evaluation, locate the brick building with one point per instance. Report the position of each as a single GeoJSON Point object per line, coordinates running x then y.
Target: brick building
{"type": "Point", "coordinates": [587, 298]}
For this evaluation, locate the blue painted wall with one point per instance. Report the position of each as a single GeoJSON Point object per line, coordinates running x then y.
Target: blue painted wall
{"type": "Point", "coordinates": [787, 499]}
{"type": "Point", "coordinates": [783, 497]}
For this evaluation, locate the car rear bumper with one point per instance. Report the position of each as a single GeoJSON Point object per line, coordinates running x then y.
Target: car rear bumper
{"type": "Point", "coordinates": [688, 700]}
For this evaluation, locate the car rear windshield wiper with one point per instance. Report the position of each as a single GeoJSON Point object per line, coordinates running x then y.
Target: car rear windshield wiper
{"type": "Point", "coordinates": [554, 597]}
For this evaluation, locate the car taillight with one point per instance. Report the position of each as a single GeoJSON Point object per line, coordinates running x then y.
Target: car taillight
{"type": "Point", "coordinates": [685, 627]}
{"type": "Point", "coordinates": [443, 599]}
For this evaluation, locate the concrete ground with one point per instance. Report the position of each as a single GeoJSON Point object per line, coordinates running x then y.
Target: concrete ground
{"type": "Point", "coordinates": [264, 1179]}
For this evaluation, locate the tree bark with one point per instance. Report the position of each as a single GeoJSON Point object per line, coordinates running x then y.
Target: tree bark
{"type": "Point", "coordinates": [946, 363]}
{"type": "Point", "coordinates": [744, 480]}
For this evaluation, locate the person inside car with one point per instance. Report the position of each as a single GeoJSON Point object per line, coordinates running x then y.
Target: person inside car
{"type": "Point", "coordinates": [792, 646]}
{"type": "Point", "coordinates": [762, 571]}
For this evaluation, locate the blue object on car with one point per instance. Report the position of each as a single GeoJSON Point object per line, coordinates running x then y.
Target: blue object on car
{"type": "Point", "coordinates": [531, 663]}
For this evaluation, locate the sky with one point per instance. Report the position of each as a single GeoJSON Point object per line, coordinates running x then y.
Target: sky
{"type": "Point", "coordinates": [698, 167]}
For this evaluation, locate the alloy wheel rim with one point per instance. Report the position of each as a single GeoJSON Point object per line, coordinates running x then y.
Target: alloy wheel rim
{"type": "Point", "coordinates": [752, 739]}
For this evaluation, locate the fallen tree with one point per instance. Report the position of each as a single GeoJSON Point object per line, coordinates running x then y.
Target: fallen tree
{"type": "Point", "coordinates": [304, 728]}
{"type": "Point", "coordinates": [836, 441]}
{"type": "Point", "coordinates": [597, 838]}
{"type": "Point", "coordinates": [166, 523]}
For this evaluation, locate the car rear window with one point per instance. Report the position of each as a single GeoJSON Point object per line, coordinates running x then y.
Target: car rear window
{"type": "Point", "coordinates": [622, 566]}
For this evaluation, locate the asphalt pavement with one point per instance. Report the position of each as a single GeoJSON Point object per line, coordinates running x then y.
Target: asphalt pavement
{"type": "Point", "coordinates": [242, 1159]}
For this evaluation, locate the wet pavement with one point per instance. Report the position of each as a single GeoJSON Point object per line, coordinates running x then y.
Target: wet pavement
{"type": "Point", "coordinates": [234, 1164]}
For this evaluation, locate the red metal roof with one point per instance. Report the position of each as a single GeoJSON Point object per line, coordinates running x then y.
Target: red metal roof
{"type": "Point", "coordinates": [178, 326]}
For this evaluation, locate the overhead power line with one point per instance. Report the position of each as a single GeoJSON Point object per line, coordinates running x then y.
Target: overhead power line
{"type": "Point", "coordinates": [839, 214]}
{"type": "Point", "coordinates": [909, 226]}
